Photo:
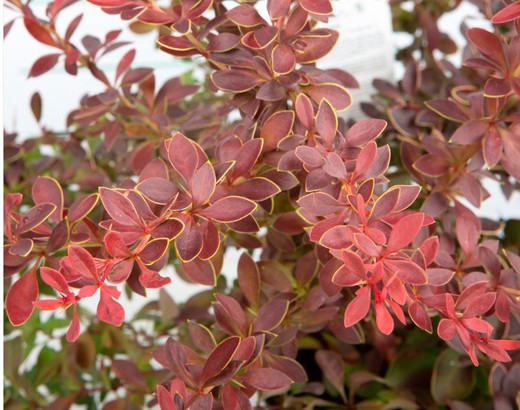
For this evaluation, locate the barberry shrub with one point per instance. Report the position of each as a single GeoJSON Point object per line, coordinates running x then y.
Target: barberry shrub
{"type": "Point", "coordinates": [365, 277]}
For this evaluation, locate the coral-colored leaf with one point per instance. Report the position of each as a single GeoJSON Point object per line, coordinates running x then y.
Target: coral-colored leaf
{"type": "Point", "coordinates": [75, 326]}
{"type": "Point", "coordinates": [404, 232]}
{"type": "Point", "coordinates": [358, 308]}
{"type": "Point", "coordinates": [83, 263]}
{"type": "Point", "coordinates": [109, 310]}
{"type": "Point", "coordinates": [509, 13]}
{"type": "Point", "coordinates": [384, 320]}
{"type": "Point", "coordinates": [54, 279]}
{"type": "Point", "coordinates": [20, 298]}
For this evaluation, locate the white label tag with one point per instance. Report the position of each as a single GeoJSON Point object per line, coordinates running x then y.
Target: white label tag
{"type": "Point", "coordinates": [364, 48]}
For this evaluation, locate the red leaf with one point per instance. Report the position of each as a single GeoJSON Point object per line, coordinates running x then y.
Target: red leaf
{"type": "Point", "coordinates": [320, 204]}
{"type": "Point", "coordinates": [202, 185]}
{"type": "Point", "coordinates": [35, 217]}
{"type": "Point", "coordinates": [137, 75]}
{"type": "Point", "coordinates": [493, 147]}
{"type": "Point", "coordinates": [353, 264]}
{"type": "Point", "coordinates": [43, 64]}
{"type": "Point", "coordinates": [119, 207]}
{"type": "Point", "coordinates": [320, 7]}
{"type": "Point", "coordinates": [358, 308]}
{"type": "Point", "coordinates": [420, 317]}
{"type": "Point", "coordinates": [335, 167]}
{"type": "Point", "coordinates": [256, 189]}
{"type": "Point", "coordinates": [164, 398]}
{"type": "Point", "coordinates": [364, 131]}
{"type": "Point", "coordinates": [75, 326]}
{"type": "Point", "coordinates": [20, 298]}
{"type": "Point", "coordinates": [384, 320]}
{"type": "Point", "coordinates": [236, 80]}
{"type": "Point", "coordinates": [446, 329]}
{"type": "Point", "coordinates": [278, 8]}
{"type": "Point", "coordinates": [128, 373]}
{"type": "Point", "coordinates": [488, 44]}
{"type": "Point", "coordinates": [266, 379]}
{"type": "Point", "coordinates": [409, 271]}
{"type": "Point", "coordinates": [150, 278]}
{"type": "Point", "coordinates": [158, 190]}
{"type": "Point", "coordinates": [469, 132]}
{"type": "Point", "coordinates": [201, 336]}
{"type": "Point", "coordinates": [233, 398]}
{"type": "Point", "coordinates": [326, 123]}
{"type": "Point", "coordinates": [315, 45]}
{"type": "Point", "coordinates": [480, 305]}
{"type": "Point", "coordinates": [154, 250]}
{"type": "Point", "coordinates": [229, 209]}
{"type": "Point", "coordinates": [305, 111]}
{"type": "Point", "coordinates": [83, 263]}
{"type": "Point", "coordinates": [219, 358]}
{"type": "Point", "coordinates": [249, 278]}
{"type": "Point", "coordinates": [54, 279]}
{"type": "Point", "coordinates": [48, 190]}
{"type": "Point", "coordinates": [82, 207]}
{"type": "Point", "coordinates": [270, 315]}
{"type": "Point", "coordinates": [189, 243]}
{"type": "Point", "coordinates": [233, 312]}
{"type": "Point", "coordinates": [223, 42]}
{"type": "Point", "coordinates": [509, 13]}
{"type": "Point", "coordinates": [115, 245]}
{"type": "Point", "coordinates": [22, 247]}
{"type": "Point", "coordinates": [247, 157]}
{"type": "Point", "coordinates": [108, 310]}
{"type": "Point", "coordinates": [283, 59]}
{"type": "Point", "coordinates": [38, 32]}
{"type": "Point", "coordinates": [183, 156]}
{"type": "Point", "coordinates": [404, 232]}
{"type": "Point", "coordinates": [245, 16]}
{"type": "Point", "coordinates": [310, 156]}
{"type": "Point", "coordinates": [176, 43]}
{"type": "Point", "coordinates": [432, 165]}
{"type": "Point", "coordinates": [335, 94]}
{"type": "Point", "coordinates": [366, 158]}
{"type": "Point", "coordinates": [200, 271]}
{"type": "Point", "coordinates": [439, 276]}
{"type": "Point", "coordinates": [468, 233]}
{"type": "Point", "coordinates": [124, 63]}
{"type": "Point", "coordinates": [275, 128]}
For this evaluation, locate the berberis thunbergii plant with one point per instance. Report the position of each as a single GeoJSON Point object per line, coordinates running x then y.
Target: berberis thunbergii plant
{"type": "Point", "coordinates": [365, 281]}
